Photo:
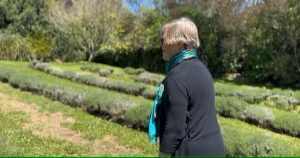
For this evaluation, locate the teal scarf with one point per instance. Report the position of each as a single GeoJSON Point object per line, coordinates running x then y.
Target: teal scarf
{"type": "Point", "coordinates": [153, 124]}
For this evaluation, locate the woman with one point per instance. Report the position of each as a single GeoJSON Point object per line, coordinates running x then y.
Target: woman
{"type": "Point", "coordinates": [184, 115]}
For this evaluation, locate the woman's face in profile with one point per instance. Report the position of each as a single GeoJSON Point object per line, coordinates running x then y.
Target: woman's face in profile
{"type": "Point", "coordinates": [168, 50]}
{"type": "Point", "coordinates": [164, 49]}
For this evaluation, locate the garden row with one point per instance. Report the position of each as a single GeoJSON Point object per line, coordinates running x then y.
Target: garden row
{"type": "Point", "coordinates": [138, 75]}
{"type": "Point", "coordinates": [229, 106]}
{"type": "Point", "coordinates": [284, 100]}
{"type": "Point", "coordinates": [253, 95]}
{"type": "Point", "coordinates": [240, 138]}
{"type": "Point", "coordinates": [133, 88]}
{"type": "Point", "coordinates": [271, 118]}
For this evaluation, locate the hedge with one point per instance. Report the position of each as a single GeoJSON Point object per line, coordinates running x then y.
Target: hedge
{"type": "Point", "coordinates": [149, 78]}
{"type": "Point", "coordinates": [267, 117]}
{"type": "Point", "coordinates": [103, 82]}
{"type": "Point", "coordinates": [101, 70]}
{"type": "Point", "coordinates": [139, 74]}
{"type": "Point", "coordinates": [133, 71]}
{"type": "Point", "coordinates": [254, 95]}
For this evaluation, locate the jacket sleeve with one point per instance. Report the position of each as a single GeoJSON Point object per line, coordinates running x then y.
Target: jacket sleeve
{"type": "Point", "coordinates": [173, 124]}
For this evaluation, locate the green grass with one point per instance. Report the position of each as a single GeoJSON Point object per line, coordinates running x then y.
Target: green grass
{"type": "Point", "coordinates": [240, 138]}
{"type": "Point", "coordinates": [92, 127]}
{"type": "Point", "coordinates": [16, 141]}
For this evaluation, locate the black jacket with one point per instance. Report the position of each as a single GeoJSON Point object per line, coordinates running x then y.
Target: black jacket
{"type": "Point", "coordinates": [188, 123]}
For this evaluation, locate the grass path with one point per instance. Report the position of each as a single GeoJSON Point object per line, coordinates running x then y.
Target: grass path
{"type": "Point", "coordinates": [72, 130]}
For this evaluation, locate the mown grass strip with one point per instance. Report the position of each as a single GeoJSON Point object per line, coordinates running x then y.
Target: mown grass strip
{"type": "Point", "coordinates": [92, 127]}
{"type": "Point", "coordinates": [15, 141]}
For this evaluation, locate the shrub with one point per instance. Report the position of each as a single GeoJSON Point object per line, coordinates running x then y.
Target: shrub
{"type": "Point", "coordinates": [149, 92]}
{"type": "Point", "coordinates": [14, 47]}
{"type": "Point", "coordinates": [70, 75]}
{"type": "Point", "coordinates": [277, 120]}
{"type": "Point", "coordinates": [280, 102]}
{"type": "Point", "coordinates": [262, 115]}
{"type": "Point", "coordinates": [24, 82]}
{"type": "Point", "coordinates": [138, 115]}
{"type": "Point", "coordinates": [254, 95]}
{"type": "Point", "coordinates": [40, 45]}
{"type": "Point", "coordinates": [41, 66]}
{"type": "Point", "coordinates": [119, 106]}
{"type": "Point", "coordinates": [230, 106]}
{"type": "Point", "coordinates": [287, 122]}
{"type": "Point", "coordinates": [132, 71]}
{"type": "Point", "coordinates": [118, 85]}
{"type": "Point", "coordinates": [103, 71]}
{"type": "Point", "coordinates": [244, 140]}
{"type": "Point", "coordinates": [5, 74]}
{"type": "Point", "coordinates": [89, 68]}
{"type": "Point", "coordinates": [149, 78]}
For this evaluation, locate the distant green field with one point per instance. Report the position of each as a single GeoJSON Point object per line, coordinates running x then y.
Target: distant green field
{"type": "Point", "coordinates": [99, 89]}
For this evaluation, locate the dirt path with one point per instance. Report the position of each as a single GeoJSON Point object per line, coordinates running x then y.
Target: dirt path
{"type": "Point", "coordinates": [45, 124]}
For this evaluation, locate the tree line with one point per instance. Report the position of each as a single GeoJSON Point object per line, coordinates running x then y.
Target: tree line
{"type": "Point", "coordinates": [255, 40]}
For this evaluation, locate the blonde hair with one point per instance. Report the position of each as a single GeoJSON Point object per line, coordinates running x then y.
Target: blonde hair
{"type": "Point", "coordinates": [180, 31]}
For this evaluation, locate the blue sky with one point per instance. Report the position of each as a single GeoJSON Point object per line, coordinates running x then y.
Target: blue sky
{"type": "Point", "coordinates": [134, 7]}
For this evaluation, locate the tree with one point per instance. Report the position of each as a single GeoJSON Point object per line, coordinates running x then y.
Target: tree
{"type": "Point", "coordinates": [23, 21]}
{"type": "Point", "coordinates": [89, 23]}
{"type": "Point", "coordinates": [22, 16]}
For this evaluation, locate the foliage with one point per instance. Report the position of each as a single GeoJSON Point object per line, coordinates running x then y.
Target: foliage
{"type": "Point", "coordinates": [23, 16]}
{"type": "Point", "coordinates": [271, 56]}
{"type": "Point", "coordinates": [112, 84]}
{"type": "Point", "coordinates": [13, 47]}
{"type": "Point", "coordinates": [259, 40]}
{"type": "Point", "coordinates": [132, 71]}
{"type": "Point", "coordinates": [89, 24]}
{"type": "Point", "coordinates": [41, 46]}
